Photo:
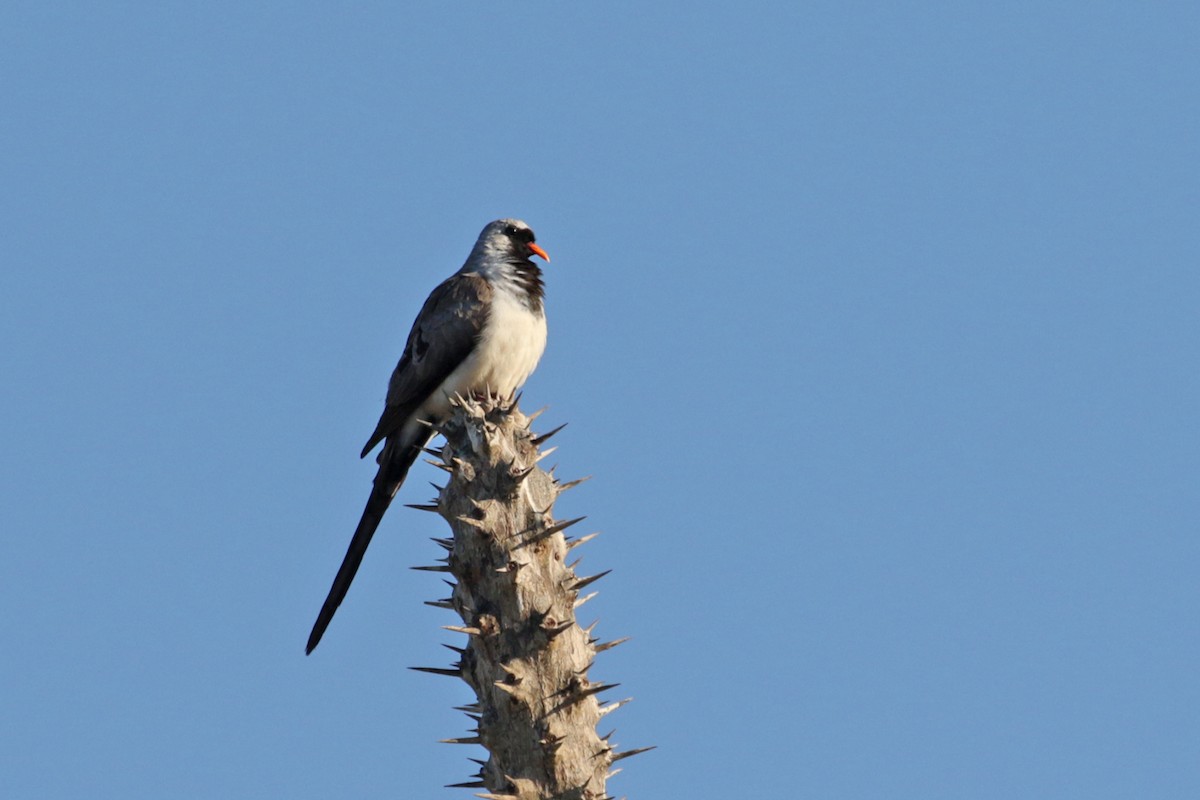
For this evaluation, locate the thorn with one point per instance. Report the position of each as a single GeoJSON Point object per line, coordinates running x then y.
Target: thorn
{"type": "Point", "coordinates": [438, 464]}
{"type": "Point", "coordinates": [559, 629]}
{"type": "Point", "coordinates": [516, 398]}
{"type": "Point", "coordinates": [634, 752]}
{"type": "Point", "coordinates": [539, 440]}
{"type": "Point", "coordinates": [478, 761]}
{"type": "Point", "coordinates": [477, 524]}
{"type": "Point", "coordinates": [446, 604]}
{"type": "Point", "coordinates": [544, 453]}
{"type": "Point", "coordinates": [565, 704]}
{"type": "Point", "coordinates": [562, 526]}
{"type": "Point", "coordinates": [522, 474]}
{"type": "Point", "coordinates": [537, 413]}
{"type": "Point", "coordinates": [459, 650]}
{"type": "Point", "coordinates": [490, 796]}
{"type": "Point", "coordinates": [614, 772]}
{"type": "Point", "coordinates": [424, 506]}
{"type": "Point", "coordinates": [548, 532]}
{"type": "Point", "coordinates": [600, 648]}
{"type": "Point", "coordinates": [611, 708]}
{"type": "Point", "coordinates": [462, 740]}
{"type": "Point", "coordinates": [506, 687]}
{"type": "Point", "coordinates": [597, 689]}
{"type": "Point", "coordinates": [584, 599]}
{"type": "Point", "coordinates": [468, 709]}
{"type": "Point", "coordinates": [446, 543]}
{"type": "Point", "coordinates": [571, 545]}
{"type": "Point", "coordinates": [429, 451]}
{"type": "Point", "coordinates": [574, 564]}
{"type": "Point", "coordinates": [587, 581]}
{"type": "Point", "coordinates": [431, 425]}
{"type": "Point", "coordinates": [463, 629]}
{"type": "Point", "coordinates": [588, 629]}
{"type": "Point", "coordinates": [434, 568]}
{"type": "Point", "coordinates": [572, 484]}
{"type": "Point", "coordinates": [436, 488]}
{"type": "Point", "coordinates": [453, 673]}
{"type": "Point", "coordinates": [468, 785]}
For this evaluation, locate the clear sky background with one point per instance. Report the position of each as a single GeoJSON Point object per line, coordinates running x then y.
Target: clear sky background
{"type": "Point", "coordinates": [877, 327]}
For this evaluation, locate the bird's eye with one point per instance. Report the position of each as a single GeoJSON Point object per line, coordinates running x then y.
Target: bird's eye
{"type": "Point", "coordinates": [510, 230]}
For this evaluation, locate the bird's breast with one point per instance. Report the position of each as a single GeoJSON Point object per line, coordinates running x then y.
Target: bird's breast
{"type": "Point", "coordinates": [509, 347]}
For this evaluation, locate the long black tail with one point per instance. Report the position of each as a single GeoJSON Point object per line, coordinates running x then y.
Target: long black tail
{"type": "Point", "coordinates": [393, 469]}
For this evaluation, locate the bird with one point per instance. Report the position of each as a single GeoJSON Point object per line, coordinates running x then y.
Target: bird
{"type": "Point", "coordinates": [483, 329]}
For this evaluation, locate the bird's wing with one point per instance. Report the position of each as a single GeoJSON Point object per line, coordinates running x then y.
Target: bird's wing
{"type": "Point", "coordinates": [442, 337]}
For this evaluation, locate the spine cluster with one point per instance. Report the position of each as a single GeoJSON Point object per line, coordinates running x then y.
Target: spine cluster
{"type": "Point", "coordinates": [526, 658]}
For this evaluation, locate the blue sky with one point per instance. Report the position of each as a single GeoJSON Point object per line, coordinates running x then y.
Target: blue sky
{"type": "Point", "coordinates": [876, 326]}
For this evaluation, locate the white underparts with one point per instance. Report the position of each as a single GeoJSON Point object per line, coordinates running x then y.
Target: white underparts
{"type": "Point", "coordinates": [509, 348]}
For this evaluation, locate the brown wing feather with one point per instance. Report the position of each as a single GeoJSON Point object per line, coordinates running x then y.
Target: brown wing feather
{"type": "Point", "coordinates": [443, 336]}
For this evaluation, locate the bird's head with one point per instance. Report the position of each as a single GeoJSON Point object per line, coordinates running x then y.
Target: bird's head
{"type": "Point", "coordinates": [509, 240]}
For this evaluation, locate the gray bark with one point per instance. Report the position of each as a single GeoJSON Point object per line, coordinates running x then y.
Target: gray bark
{"type": "Point", "coordinates": [526, 658]}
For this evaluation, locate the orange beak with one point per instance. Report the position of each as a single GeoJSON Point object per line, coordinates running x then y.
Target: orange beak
{"type": "Point", "coordinates": [537, 251]}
